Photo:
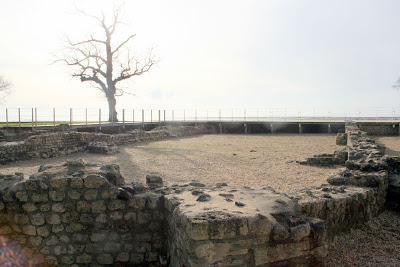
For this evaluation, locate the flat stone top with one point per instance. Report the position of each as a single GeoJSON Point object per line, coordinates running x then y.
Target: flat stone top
{"type": "Point", "coordinates": [232, 201]}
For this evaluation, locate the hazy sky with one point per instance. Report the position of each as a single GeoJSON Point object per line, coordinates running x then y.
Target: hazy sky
{"type": "Point", "coordinates": [327, 55]}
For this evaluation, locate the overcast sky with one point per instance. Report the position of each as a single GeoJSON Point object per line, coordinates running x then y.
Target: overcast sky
{"type": "Point", "coordinates": [299, 54]}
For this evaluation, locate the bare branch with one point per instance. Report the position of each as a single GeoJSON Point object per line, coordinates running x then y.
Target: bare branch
{"type": "Point", "coordinates": [129, 71]}
{"type": "Point", "coordinates": [5, 88]}
{"type": "Point", "coordinates": [123, 43]}
{"type": "Point", "coordinates": [115, 22]}
{"type": "Point", "coordinates": [4, 85]}
{"type": "Point", "coordinates": [92, 39]}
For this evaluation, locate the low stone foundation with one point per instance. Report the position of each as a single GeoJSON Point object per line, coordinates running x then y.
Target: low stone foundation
{"type": "Point", "coordinates": [357, 193]}
{"type": "Point", "coordinates": [244, 227]}
{"type": "Point", "coordinates": [62, 143]}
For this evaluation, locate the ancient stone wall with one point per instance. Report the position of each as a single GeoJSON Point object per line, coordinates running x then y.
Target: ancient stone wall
{"type": "Point", "coordinates": [357, 193]}
{"type": "Point", "coordinates": [78, 214]}
{"type": "Point", "coordinates": [224, 226]}
{"type": "Point", "coordinates": [379, 128]}
{"type": "Point", "coordinates": [61, 143]}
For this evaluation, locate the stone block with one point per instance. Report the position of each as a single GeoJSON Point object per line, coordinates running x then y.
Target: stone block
{"type": "Point", "coordinates": [105, 259]}
{"type": "Point", "coordinates": [37, 219]}
{"type": "Point", "coordinates": [53, 219]}
{"type": "Point", "coordinates": [56, 195]}
{"type": "Point", "coordinates": [90, 194]}
{"type": "Point", "coordinates": [83, 259]}
{"type": "Point", "coordinates": [94, 181]}
{"type": "Point", "coordinates": [29, 230]}
{"type": "Point", "coordinates": [59, 183]}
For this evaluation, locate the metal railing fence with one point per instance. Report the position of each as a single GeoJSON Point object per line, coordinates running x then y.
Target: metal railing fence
{"type": "Point", "coordinates": [18, 117]}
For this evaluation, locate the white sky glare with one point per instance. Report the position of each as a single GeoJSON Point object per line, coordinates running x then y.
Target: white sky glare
{"type": "Point", "coordinates": [337, 55]}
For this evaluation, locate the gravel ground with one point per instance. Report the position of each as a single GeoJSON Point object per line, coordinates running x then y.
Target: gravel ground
{"type": "Point", "coordinates": [244, 160]}
{"type": "Point", "coordinates": [392, 144]}
{"type": "Point", "coordinates": [376, 243]}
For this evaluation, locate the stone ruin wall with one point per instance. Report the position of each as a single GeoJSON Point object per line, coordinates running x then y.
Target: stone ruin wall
{"type": "Point", "coordinates": [379, 129]}
{"type": "Point", "coordinates": [61, 143]}
{"type": "Point", "coordinates": [265, 230]}
{"type": "Point", "coordinates": [358, 192]}
{"type": "Point", "coordinates": [85, 215]}
{"type": "Point", "coordinates": [78, 214]}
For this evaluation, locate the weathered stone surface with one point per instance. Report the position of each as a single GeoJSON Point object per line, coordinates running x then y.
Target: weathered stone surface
{"type": "Point", "coordinates": [112, 174]}
{"type": "Point", "coordinates": [102, 148]}
{"type": "Point", "coordinates": [238, 228]}
{"type": "Point", "coordinates": [154, 181]}
{"type": "Point", "coordinates": [105, 259]}
{"type": "Point", "coordinates": [37, 219]}
{"type": "Point", "coordinates": [341, 139]}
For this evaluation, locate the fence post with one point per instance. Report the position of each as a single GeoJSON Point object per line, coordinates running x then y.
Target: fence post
{"type": "Point", "coordinates": [159, 116]}
{"type": "Point", "coordinates": [19, 117]}
{"type": "Point", "coordinates": [164, 115]}
{"type": "Point", "coordinates": [195, 115]}
{"type": "Point", "coordinates": [70, 116]}
{"type": "Point", "coordinates": [36, 117]}
{"type": "Point", "coordinates": [86, 122]}
{"type": "Point", "coordinates": [54, 117]}
{"type": "Point", "coordinates": [133, 116]}
{"type": "Point", "coordinates": [151, 116]}
{"type": "Point", "coordinates": [173, 115]}
{"type": "Point", "coordinates": [184, 115]}
{"type": "Point", "coordinates": [142, 119]}
{"type": "Point", "coordinates": [32, 118]}
{"type": "Point", "coordinates": [100, 119]}
{"type": "Point", "coordinates": [6, 117]}
{"type": "Point", "coordinates": [220, 123]}
{"type": "Point", "coordinates": [244, 115]}
{"type": "Point", "coordinates": [123, 118]}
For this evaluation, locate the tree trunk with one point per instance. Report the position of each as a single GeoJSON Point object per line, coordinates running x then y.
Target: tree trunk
{"type": "Point", "coordinates": [112, 112]}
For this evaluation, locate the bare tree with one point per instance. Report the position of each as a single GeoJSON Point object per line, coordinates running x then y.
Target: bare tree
{"type": "Point", "coordinates": [99, 61]}
{"type": "Point", "coordinates": [5, 86]}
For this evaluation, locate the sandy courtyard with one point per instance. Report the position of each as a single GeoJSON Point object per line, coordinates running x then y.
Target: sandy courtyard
{"type": "Point", "coordinates": [243, 160]}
